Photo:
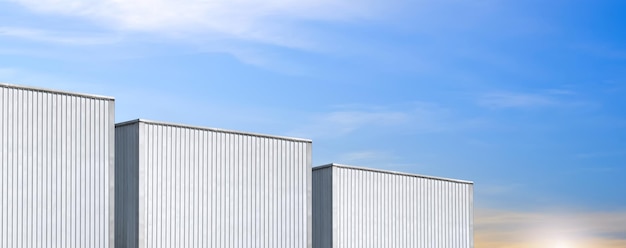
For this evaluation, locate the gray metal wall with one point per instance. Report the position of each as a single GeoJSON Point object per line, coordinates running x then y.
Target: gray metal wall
{"type": "Point", "coordinates": [56, 168]}
{"type": "Point", "coordinates": [201, 187]}
{"type": "Point", "coordinates": [373, 208]}
{"type": "Point", "coordinates": [127, 187]}
{"type": "Point", "coordinates": [322, 208]}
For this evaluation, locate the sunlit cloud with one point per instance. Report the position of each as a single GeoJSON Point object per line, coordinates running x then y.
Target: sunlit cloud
{"type": "Point", "coordinates": [246, 28]}
{"type": "Point", "coordinates": [253, 31]}
{"type": "Point", "coordinates": [550, 229]}
{"type": "Point", "coordinates": [267, 21]}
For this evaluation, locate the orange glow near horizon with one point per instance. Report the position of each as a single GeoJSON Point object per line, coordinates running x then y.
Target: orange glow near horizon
{"type": "Point", "coordinates": [508, 229]}
{"type": "Point", "coordinates": [562, 244]}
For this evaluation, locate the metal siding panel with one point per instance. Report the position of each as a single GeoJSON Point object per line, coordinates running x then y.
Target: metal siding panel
{"type": "Point", "coordinates": [307, 223]}
{"type": "Point", "coordinates": [4, 159]}
{"type": "Point", "coordinates": [139, 172]}
{"type": "Point", "coordinates": [470, 189]}
{"type": "Point", "coordinates": [48, 149]}
{"type": "Point", "coordinates": [127, 164]}
{"type": "Point", "coordinates": [322, 208]}
{"type": "Point", "coordinates": [150, 177]}
{"type": "Point", "coordinates": [255, 185]}
{"type": "Point", "coordinates": [378, 209]}
{"type": "Point", "coordinates": [222, 189]}
{"type": "Point", "coordinates": [107, 184]}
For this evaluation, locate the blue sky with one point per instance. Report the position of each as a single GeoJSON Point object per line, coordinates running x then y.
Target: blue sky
{"type": "Point", "coordinates": [525, 98]}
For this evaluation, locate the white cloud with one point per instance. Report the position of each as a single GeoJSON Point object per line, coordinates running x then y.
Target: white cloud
{"type": "Point", "coordinates": [498, 190]}
{"type": "Point", "coordinates": [266, 21]}
{"type": "Point", "coordinates": [414, 117]}
{"type": "Point", "coordinates": [515, 100]}
{"type": "Point", "coordinates": [600, 154]}
{"type": "Point", "coordinates": [353, 119]}
{"type": "Point", "coordinates": [365, 156]}
{"type": "Point", "coordinates": [57, 37]}
{"type": "Point", "coordinates": [541, 99]}
{"type": "Point", "coordinates": [381, 159]}
{"type": "Point", "coordinates": [338, 123]}
{"type": "Point", "coordinates": [560, 92]}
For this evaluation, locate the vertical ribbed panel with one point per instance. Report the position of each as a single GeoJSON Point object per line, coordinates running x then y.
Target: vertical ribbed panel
{"type": "Point", "coordinates": [372, 208]}
{"type": "Point", "coordinates": [127, 187]}
{"type": "Point", "coordinates": [322, 208]}
{"type": "Point", "coordinates": [203, 187]}
{"type": "Point", "coordinates": [56, 164]}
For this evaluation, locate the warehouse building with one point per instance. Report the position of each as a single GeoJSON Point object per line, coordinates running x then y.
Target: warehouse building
{"type": "Point", "coordinates": [70, 177]}
{"type": "Point", "coordinates": [186, 186]}
{"type": "Point", "coordinates": [361, 207]}
{"type": "Point", "coordinates": [57, 168]}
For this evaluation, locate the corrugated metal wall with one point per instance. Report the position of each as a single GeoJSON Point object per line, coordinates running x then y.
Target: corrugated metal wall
{"type": "Point", "coordinates": [385, 209]}
{"type": "Point", "coordinates": [127, 187]}
{"type": "Point", "coordinates": [203, 187]}
{"type": "Point", "coordinates": [322, 207]}
{"type": "Point", "coordinates": [56, 169]}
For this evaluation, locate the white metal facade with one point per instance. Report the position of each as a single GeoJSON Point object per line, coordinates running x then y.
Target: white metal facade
{"type": "Point", "coordinates": [361, 207]}
{"type": "Point", "coordinates": [56, 168]}
{"type": "Point", "coordinates": [201, 187]}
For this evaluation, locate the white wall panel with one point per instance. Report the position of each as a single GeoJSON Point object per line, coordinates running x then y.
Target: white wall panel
{"type": "Point", "coordinates": [201, 187]}
{"type": "Point", "coordinates": [375, 208]}
{"type": "Point", "coordinates": [56, 168]}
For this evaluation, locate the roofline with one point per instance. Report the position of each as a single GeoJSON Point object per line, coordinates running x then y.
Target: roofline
{"type": "Point", "coordinates": [210, 129]}
{"type": "Point", "coordinates": [61, 92]}
{"type": "Point", "coordinates": [389, 172]}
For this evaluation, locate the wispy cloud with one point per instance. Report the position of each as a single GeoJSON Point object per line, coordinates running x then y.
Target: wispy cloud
{"type": "Point", "coordinates": [365, 156]}
{"type": "Point", "coordinates": [540, 99]}
{"type": "Point", "coordinates": [515, 100]}
{"type": "Point", "coordinates": [496, 190]}
{"type": "Point", "coordinates": [420, 116]}
{"type": "Point", "coordinates": [559, 92]}
{"type": "Point", "coordinates": [267, 21]}
{"type": "Point", "coordinates": [338, 123]}
{"type": "Point", "coordinates": [610, 51]}
{"type": "Point", "coordinates": [68, 38]}
{"type": "Point", "coordinates": [600, 154]}
{"type": "Point", "coordinates": [15, 75]}
{"type": "Point", "coordinates": [6, 72]}
{"type": "Point", "coordinates": [255, 32]}
{"type": "Point", "coordinates": [381, 159]}
{"type": "Point", "coordinates": [497, 228]}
